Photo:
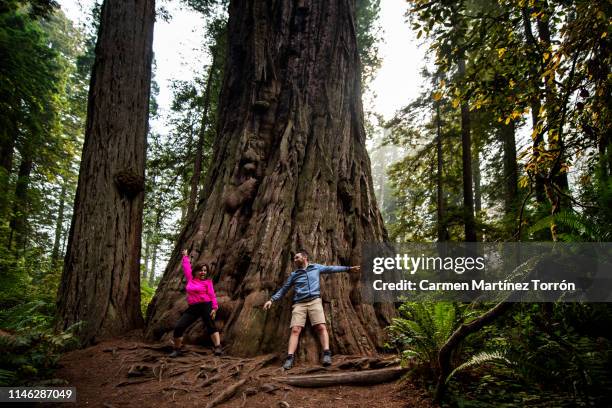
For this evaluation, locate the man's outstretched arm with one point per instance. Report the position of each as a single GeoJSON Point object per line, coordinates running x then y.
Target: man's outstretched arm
{"type": "Point", "coordinates": [280, 293]}
{"type": "Point", "coordinates": [335, 268]}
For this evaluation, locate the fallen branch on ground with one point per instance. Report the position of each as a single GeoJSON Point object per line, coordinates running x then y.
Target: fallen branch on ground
{"type": "Point", "coordinates": [367, 377]}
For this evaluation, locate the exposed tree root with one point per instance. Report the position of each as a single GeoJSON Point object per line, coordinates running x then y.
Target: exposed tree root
{"type": "Point", "coordinates": [227, 394]}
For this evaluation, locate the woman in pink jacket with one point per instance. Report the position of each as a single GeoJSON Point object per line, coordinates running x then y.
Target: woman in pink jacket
{"type": "Point", "coordinates": [202, 304]}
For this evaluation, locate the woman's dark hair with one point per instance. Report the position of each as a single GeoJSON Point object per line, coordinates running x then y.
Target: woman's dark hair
{"type": "Point", "coordinates": [303, 252]}
{"type": "Point", "coordinates": [198, 267]}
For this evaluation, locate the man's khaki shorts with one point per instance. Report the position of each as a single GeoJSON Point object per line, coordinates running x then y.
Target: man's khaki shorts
{"type": "Point", "coordinates": [314, 310]}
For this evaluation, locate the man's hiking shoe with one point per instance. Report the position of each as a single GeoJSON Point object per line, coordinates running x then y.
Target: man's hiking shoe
{"type": "Point", "coordinates": [218, 351]}
{"type": "Point", "coordinates": [176, 353]}
{"type": "Point", "coordinates": [288, 363]}
{"type": "Point", "coordinates": [327, 361]}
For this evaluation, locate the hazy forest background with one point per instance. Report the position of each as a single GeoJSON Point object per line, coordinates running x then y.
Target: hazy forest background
{"type": "Point", "coordinates": [510, 140]}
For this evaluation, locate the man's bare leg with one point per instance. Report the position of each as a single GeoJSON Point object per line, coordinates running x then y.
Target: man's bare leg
{"type": "Point", "coordinates": [293, 339]}
{"type": "Point", "coordinates": [324, 338]}
{"type": "Point", "coordinates": [293, 342]}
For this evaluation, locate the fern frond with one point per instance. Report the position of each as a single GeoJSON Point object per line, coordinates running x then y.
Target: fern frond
{"type": "Point", "coordinates": [6, 377]}
{"type": "Point", "coordinates": [481, 358]}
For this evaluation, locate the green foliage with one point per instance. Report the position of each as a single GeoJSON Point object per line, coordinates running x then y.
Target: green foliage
{"type": "Point", "coordinates": [537, 61]}
{"type": "Point", "coordinates": [146, 294]}
{"type": "Point", "coordinates": [537, 354]}
{"type": "Point", "coordinates": [170, 157]}
{"type": "Point", "coordinates": [31, 349]}
{"type": "Point", "coordinates": [414, 178]}
{"type": "Point", "coordinates": [421, 329]}
{"type": "Point", "coordinates": [42, 116]}
{"type": "Point", "coordinates": [480, 359]}
{"type": "Point", "coordinates": [368, 36]}
{"type": "Point", "coordinates": [580, 228]}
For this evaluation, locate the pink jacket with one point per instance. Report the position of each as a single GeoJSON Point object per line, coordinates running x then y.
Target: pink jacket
{"type": "Point", "coordinates": [198, 291]}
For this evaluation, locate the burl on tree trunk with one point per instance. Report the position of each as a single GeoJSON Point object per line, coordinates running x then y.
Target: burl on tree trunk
{"type": "Point", "coordinates": [290, 171]}
{"type": "Point", "coordinates": [101, 279]}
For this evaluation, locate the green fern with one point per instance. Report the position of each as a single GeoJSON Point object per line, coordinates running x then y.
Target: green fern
{"type": "Point", "coordinates": [6, 377]}
{"type": "Point", "coordinates": [422, 329]}
{"type": "Point", "coordinates": [481, 358]}
{"type": "Point", "coordinates": [581, 228]}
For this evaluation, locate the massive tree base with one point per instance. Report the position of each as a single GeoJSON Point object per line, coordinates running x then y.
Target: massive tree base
{"type": "Point", "coordinates": [290, 171]}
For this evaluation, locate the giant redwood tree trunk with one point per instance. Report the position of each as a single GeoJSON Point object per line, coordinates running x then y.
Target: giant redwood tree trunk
{"type": "Point", "coordinates": [101, 280]}
{"type": "Point", "coordinates": [289, 170]}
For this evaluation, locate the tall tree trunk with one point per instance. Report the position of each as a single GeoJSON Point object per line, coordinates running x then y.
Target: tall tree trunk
{"type": "Point", "coordinates": [510, 168]}
{"type": "Point", "coordinates": [101, 280]}
{"type": "Point", "coordinates": [466, 146]}
{"type": "Point", "coordinates": [18, 224]}
{"type": "Point", "coordinates": [197, 165]}
{"type": "Point", "coordinates": [155, 243]}
{"type": "Point", "coordinates": [147, 255]}
{"type": "Point", "coordinates": [59, 224]}
{"type": "Point", "coordinates": [151, 281]}
{"type": "Point", "coordinates": [477, 180]}
{"type": "Point", "coordinates": [290, 170]}
{"type": "Point", "coordinates": [440, 204]}
{"type": "Point", "coordinates": [535, 103]}
{"type": "Point", "coordinates": [477, 189]}
{"type": "Point", "coordinates": [553, 118]}
{"type": "Point", "coordinates": [7, 146]}
{"type": "Point", "coordinates": [382, 176]}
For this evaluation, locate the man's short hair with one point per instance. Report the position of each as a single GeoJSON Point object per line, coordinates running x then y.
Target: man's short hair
{"type": "Point", "coordinates": [303, 252]}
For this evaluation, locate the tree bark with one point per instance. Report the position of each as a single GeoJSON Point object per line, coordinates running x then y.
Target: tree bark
{"type": "Point", "coordinates": [18, 224]}
{"type": "Point", "coordinates": [440, 202]}
{"type": "Point", "coordinates": [366, 377]}
{"type": "Point", "coordinates": [147, 255]}
{"type": "Point", "coordinates": [466, 148]}
{"type": "Point", "coordinates": [290, 170]}
{"type": "Point", "coordinates": [510, 168]}
{"type": "Point", "coordinates": [59, 224]}
{"type": "Point", "coordinates": [155, 242]}
{"type": "Point", "coordinates": [7, 147]}
{"type": "Point", "coordinates": [554, 122]}
{"type": "Point", "coordinates": [535, 103]}
{"type": "Point", "coordinates": [153, 264]}
{"type": "Point", "coordinates": [477, 181]}
{"type": "Point", "coordinates": [101, 279]}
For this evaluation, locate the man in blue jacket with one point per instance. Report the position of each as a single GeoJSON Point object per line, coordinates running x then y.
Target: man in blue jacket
{"type": "Point", "coordinates": [306, 302]}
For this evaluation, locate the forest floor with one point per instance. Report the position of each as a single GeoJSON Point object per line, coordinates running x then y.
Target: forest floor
{"type": "Point", "coordinates": [128, 372]}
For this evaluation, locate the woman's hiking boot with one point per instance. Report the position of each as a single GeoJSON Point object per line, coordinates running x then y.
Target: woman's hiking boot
{"type": "Point", "coordinates": [218, 351]}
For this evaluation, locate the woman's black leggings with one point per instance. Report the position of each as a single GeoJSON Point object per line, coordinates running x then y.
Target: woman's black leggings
{"type": "Point", "coordinates": [191, 315]}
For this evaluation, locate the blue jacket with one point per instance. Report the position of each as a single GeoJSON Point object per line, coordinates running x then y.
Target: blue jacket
{"type": "Point", "coordinates": [306, 281]}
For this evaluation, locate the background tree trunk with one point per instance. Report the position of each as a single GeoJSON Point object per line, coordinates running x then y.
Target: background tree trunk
{"type": "Point", "coordinates": [535, 102]}
{"type": "Point", "coordinates": [18, 224]}
{"type": "Point", "coordinates": [466, 148]}
{"type": "Point", "coordinates": [59, 224]}
{"type": "Point", "coordinates": [289, 170]}
{"type": "Point", "coordinates": [7, 146]}
{"type": "Point", "coordinates": [155, 241]}
{"type": "Point", "coordinates": [101, 280]}
{"type": "Point", "coordinates": [440, 200]}
{"type": "Point", "coordinates": [197, 165]}
{"type": "Point", "coordinates": [510, 168]}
